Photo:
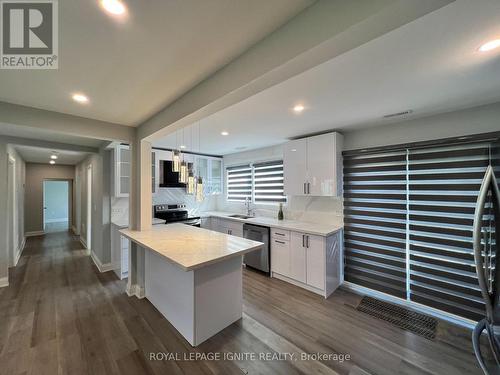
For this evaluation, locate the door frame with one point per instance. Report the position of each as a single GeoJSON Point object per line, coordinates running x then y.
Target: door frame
{"type": "Point", "coordinates": [70, 199]}
{"type": "Point", "coordinates": [88, 205]}
{"type": "Point", "coordinates": [12, 199]}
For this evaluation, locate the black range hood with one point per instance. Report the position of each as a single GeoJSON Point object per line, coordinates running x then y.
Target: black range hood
{"type": "Point", "coordinates": [169, 178]}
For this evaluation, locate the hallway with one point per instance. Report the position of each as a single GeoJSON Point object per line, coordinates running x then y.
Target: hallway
{"type": "Point", "coordinates": [60, 316]}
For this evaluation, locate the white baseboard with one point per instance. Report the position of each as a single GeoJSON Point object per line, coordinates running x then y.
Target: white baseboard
{"type": "Point", "coordinates": [35, 233]}
{"type": "Point", "coordinates": [135, 290]}
{"type": "Point", "coordinates": [84, 244]}
{"type": "Point", "coordinates": [20, 251]}
{"type": "Point", "coordinates": [4, 281]}
{"type": "Point", "coordinates": [60, 220]}
{"type": "Point", "coordinates": [100, 266]}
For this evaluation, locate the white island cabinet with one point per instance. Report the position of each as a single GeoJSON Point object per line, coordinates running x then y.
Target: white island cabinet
{"type": "Point", "coordinates": [193, 276]}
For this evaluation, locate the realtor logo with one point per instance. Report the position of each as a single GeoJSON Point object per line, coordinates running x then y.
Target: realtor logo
{"type": "Point", "coordinates": [29, 34]}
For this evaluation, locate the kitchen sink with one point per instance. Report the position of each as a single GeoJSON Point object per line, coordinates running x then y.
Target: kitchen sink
{"type": "Point", "coordinates": [241, 216]}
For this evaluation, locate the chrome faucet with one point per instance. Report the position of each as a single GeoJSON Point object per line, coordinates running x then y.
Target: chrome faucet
{"type": "Point", "coordinates": [247, 205]}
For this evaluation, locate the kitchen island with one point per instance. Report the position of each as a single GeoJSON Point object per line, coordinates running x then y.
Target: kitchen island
{"type": "Point", "coordinates": [193, 276]}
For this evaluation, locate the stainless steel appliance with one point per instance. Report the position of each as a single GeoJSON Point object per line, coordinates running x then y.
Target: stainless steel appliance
{"type": "Point", "coordinates": [485, 239]}
{"type": "Point", "coordinates": [175, 213]}
{"type": "Point", "coordinates": [258, 259]}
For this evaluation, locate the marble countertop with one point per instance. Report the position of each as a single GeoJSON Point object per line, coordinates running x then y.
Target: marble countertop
{"type": "Point", "coordinates": [123, 223]}
{"type": "Point", "coordinates": [191, 247]}
{"type": "Point", "coordinates": [293, 225]}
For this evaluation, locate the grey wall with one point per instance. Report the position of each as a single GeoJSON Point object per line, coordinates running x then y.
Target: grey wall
{"type": "Point", "coordinates": [56, 201]}
{"type": "Point", "coordinates": [482, 119]}
{"type": "Point", "coordinates": [101, 196]}
{"type": "Point", "coordinates": [35, 175]}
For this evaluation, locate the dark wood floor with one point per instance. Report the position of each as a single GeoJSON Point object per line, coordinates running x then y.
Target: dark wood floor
{"type": "Point", "coordinates": [60, 316]}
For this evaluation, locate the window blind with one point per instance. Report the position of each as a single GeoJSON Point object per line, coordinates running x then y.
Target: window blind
{"type": "Point", "coordinates": [408, 224]}
{"type": "Point", "coordinates": [239, 183]}
{"type": "Point", "coordinates": [375, 221]}
{"type": "Point", "coordinates": [444, 183]}
{"type": "Point", "coordinates": [268, 182]}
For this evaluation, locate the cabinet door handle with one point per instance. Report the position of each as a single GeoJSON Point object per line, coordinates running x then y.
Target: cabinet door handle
{"type": "Point", "coordinates": [279, 234]}
{"type": "Point", "coordinates": [303, 241]}
{"type": "Point", "coordinates": [308, 188]}
{"type": "Point", "coordinates": [307, 242]}
{"type": "Point", "coordinates": [305, 191]}
{"type": "Point", "coordinates": [281, 242]}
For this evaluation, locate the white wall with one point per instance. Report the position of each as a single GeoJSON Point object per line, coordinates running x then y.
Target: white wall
{"type": "Point", "coordinates": [310, 209]}
{"type": "Point", "coordinates": [20, 171]}
{"type": "Point", "coordinates": [482, 119]}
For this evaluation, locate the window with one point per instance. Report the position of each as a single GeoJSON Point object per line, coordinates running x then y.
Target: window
{"type": "Point", "coordinates": [408, 224]}
{"type": "Point", "coordinates": [259, 182]}
{"type": "Point", "coordinates": [239, 183]}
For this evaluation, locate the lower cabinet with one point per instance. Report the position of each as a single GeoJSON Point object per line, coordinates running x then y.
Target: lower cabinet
{"type": "Point", "coordinates": [119, 253]}
{"type": "Point", "coordinates": [310, 261]}
{"type": "Point", "coordinates": [206, 223]}
{"type": "Point", "coordinates": [231, 227]}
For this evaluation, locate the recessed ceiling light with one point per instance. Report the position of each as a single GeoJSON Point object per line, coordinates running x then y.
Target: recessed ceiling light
{"type": "Point", "coordinates": [298, 108]}
{"type": "Point", "coordinates": [114, 7]}
{"type": "Point", "coordinates": [80, 98]}
{"type": "Point", "coordinates": [224, 133]}
{"type": "Point", "coordinates": [182, 146]}
{"type": "Point", "coordinates": [52, 162]}
{"type": "Point", "coordinates": [492, 44]}
{"type": "Point", "coordinates": [53, 156]}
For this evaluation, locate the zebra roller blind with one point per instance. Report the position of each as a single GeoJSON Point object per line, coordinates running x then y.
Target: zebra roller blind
{"type": "Point", "coordinates": [408, 224]}
{"type": "Point", "coordinates": [239, 183]}
{"type": "Point", "coordinates": [268, 182]}
{"type": "Point", "coordinates": [444, 183]}
{"type": "Point", "coordinates": [375, 221]}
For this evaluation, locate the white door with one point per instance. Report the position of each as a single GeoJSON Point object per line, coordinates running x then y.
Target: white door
{"type": "Point", "coordinates": [321, 165]}
{"type": "Point", "coordinates": [295, 167]}
{"type": "Point", "coordinates": [297, 257]}
{"type": "Point", "coordinates": [280, 257]}
{"type": "Point", "coordinates": [315, 261]}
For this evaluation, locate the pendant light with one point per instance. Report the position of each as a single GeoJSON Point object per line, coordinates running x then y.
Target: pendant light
{"type": "Point", "coordinates": [199, 181]}
{"type": "Point", "coordinates": [183, 168]}
{"type": "Point", "coordinates": [199, 190]}
{"type": "Point", "coordinates": [191, 180]}
{"type": "Point", "coordinates": [176, 156]}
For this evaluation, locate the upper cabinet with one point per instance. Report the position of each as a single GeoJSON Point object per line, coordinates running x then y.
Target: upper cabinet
{"type": "Point", "coordinates": [122, 171]}
{"type": "Point", "coordinates": [313, 166]}
{"type": "Point", "coordinates": [210, 170]}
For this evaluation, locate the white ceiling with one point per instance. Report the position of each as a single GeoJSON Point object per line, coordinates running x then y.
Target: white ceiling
{"type": "Point", "coordinates": [47, 135]}
{"type": "Point", "coordinates": [430, 65]}
{"type": "Point", "coordinates": [42, 155]}
{"type": "Point", "coordinates": [130, 69]}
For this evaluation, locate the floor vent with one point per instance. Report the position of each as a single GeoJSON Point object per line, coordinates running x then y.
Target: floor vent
{"type": "Point", "coordinates": [401, 317]}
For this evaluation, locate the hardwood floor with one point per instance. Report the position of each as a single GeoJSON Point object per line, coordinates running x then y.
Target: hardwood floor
{"type": "Point", "coordinates": [61, 316]}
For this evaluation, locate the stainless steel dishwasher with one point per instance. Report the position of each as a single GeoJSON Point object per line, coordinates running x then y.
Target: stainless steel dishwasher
{"type": "Point", "coordinates": [258, 259]}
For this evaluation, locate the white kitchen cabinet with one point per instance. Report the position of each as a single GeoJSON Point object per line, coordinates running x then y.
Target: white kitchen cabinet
{"type": "Point", "coordinates": [119, 252]}
{"type": "Point", "coordinates": [206, 223]}
{"type": "Point", "coordinates": [231, 227]}
{"type": "Point", "coordinates": [280, 256]}
{"type": "Point", "coordinates": [122, 171]}
{"type": "Point", "coordinates": [315, 261]}
{"type": "Point", "coordinates": [313, 165]}
{"type": "Point", "coordinates": [210, 170]}
{"type": "Point", "coordinates": [309, 261]}
{"type": "Point", "coordinates": [298, 257]}
{"type": "Point", "coordinates": [295, 167]}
